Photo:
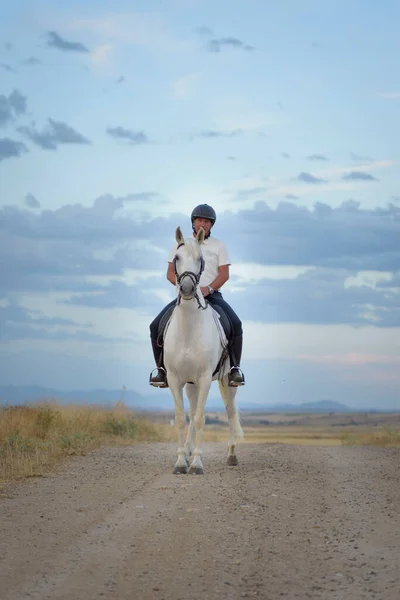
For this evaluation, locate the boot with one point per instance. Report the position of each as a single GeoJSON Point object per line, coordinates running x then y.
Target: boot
{"type": "Point", "coordinates": [235, 375]}
{"type": "Point", "coordinates": [159, 379]}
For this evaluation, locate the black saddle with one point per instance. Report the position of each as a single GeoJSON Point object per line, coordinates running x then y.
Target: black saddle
{"type": "Point", "coordinates": [224, 320]}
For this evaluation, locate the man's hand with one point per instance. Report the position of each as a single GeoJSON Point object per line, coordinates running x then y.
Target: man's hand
{"type": "Point", "coordinates": [205, 291]}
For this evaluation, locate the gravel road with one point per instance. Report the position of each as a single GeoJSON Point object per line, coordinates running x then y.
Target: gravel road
{"type": "Point", "coordinates": [288, 522]}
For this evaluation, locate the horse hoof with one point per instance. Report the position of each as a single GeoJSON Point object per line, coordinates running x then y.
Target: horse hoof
{"type": "Point", "coordinates": [196, 471]}
{"type": "Point", "coordinates": [180, 471]}
{"type": "Point", "coordinates": [232, 461]}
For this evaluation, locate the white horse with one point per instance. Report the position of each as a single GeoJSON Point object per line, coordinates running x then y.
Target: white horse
{"type": "Point", "coordinates": [193, 345]}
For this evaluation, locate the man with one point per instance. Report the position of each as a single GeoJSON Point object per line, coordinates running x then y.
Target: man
{"type": "Point", "coordinates": [215, 274]}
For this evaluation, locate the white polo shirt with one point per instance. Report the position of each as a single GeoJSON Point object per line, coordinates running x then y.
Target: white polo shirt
{"type": "Point", "coordinates": [215, 255]}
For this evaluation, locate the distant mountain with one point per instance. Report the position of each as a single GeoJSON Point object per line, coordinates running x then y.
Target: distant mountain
{"type": "Point", "coordinates": [13, 395]}
{"type": "Point", "coordinates": [159, 400]}
{"type": "Point", "coordinates": [323, 406]}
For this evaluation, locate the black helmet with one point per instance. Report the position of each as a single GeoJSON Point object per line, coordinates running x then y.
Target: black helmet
{"type": "Point", "coordinates": [204, 211]}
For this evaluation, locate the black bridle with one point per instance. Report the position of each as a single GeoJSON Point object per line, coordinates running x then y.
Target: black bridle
{"type": "Point", "coordinates": [193, 276]}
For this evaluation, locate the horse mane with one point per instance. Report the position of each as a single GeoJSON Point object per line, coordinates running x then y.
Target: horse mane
{"type": "Point", "coordinates": [193, 248]}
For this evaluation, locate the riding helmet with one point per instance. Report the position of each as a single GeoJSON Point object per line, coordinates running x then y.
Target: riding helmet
{"type": "Point", "coordinates": [204, 211]}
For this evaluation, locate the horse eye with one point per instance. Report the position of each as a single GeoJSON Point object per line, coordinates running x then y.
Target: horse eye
{"type": "Point", "coordinates": [176, 257]}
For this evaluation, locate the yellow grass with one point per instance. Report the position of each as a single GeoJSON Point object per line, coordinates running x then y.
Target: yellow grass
{"type": "Point", "coordinates": [35, 437]}
{"type": "Point", "coordinates": [310, 436]}
{"type": "Point", "coordinates": [382, 436]}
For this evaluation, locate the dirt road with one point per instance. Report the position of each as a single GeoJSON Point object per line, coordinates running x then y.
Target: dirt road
{"type": "Point", "coordinates": [288, 522]}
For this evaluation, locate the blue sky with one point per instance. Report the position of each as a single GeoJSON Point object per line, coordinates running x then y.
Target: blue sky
{"type": "Point", "coordinates": [117, 118]}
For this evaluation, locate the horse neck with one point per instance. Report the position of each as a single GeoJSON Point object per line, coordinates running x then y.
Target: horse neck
{"type": "Point", "coordinates": [188, 312]}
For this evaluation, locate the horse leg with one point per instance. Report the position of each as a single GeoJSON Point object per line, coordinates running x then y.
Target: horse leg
{"type": "Point", "coordinates": [181, 465]}
{"type": "Point", "coordinates": [196, 468]}
{"type": "Point", "coordinates": [191, 391]}
{"type": "Point", "coordinates": [229, 397]}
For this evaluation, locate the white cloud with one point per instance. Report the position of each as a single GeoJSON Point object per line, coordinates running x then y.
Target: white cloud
{"type": "Point", "coordinates": [185, 85]}
{"type": "Point", "coordinates": [100, 57]}
{"type": "Point", "coordinates": [297, 341]}
{"type": "Point", "coordinates": [255, 272]}
{"type": "Point", "coordinates": [390, 95]}
{"type": "Point", "coordinates": [369, 278]}
{"type": "Point", "coordinates": [148, 30]}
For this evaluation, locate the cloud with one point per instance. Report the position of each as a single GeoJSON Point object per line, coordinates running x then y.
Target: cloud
{"type": "Point", "coordinates": [317, 297]}
{"type": "Point", "coordinates": [309, 178]}
{"type": "Point", "coordinates": [6, 67]}
{"type": "Point", "coordinates": [31, 61]}
{"type": "Point", "coordinates": [149, 30]}
{"type": "Point", "coordinates": [107, 256]}
{"type": "Point", "coordinates": [18, 323]}
{"type": "Point", "coordinates": [11, 148]}
{"type": "Point", "coordinates": [213, 134]}
{"type": "Point", "coordinates": [8, 46]}
{"type": "Point", "coordinates": [285, 155]}
{"type": "Point", "coordinates": [358, 176]}
{"type": "Point", "coordinates": [120, 295]}
{"type": "Point", "coordinates": [255, 191]}
{"type": "Point", "coordinates": [203, 30]}
{"type": "Point", "coordinates": [390, 95]}
{"type": "Point", "coordinates": [218, 44]}
{"type": "Point", "coordinates": [53, 135]}
{"type": "Point", "coordinates": [135, 137]}
{"type": "Point", "coordinates": [291, 197]}
{"type": "Point", "coordinates": [184, 86]}
{"type": "Point", "coordinates": [31, 201]}
{"type": "Point", "coordinates": [359, 157]}
{"type": "Point", "coordinates": [54, 40]}
{"type": "Point", "coordinates": [11, 107]}
{"type": "Point", "coordinates": [317, 157]}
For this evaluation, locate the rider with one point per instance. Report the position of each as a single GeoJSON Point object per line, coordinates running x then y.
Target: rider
{"type": "Point", "coordinates": [215, 274]}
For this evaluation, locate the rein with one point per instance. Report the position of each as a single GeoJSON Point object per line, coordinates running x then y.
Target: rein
{"type": "Point", "coordinates": [195, 280]}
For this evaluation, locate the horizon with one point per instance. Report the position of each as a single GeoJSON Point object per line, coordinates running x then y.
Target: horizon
{"type": "Point", "coordinates": [116, 121]}
{"type": "Point", "coordinates": [158, 402]}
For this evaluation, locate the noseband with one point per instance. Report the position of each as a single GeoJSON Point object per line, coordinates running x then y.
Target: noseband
{"type": "Point", "coordinates": [193, 276]}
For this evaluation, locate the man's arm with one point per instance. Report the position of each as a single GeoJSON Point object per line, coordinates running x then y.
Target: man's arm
{"type": "Point", "coordinates": [221, 278]}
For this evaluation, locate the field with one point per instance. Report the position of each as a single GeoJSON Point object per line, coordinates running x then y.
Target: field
{"type": "Point", "coordinates": [35, 437]}
{"type": "Point", "coordinates": [298, 428]}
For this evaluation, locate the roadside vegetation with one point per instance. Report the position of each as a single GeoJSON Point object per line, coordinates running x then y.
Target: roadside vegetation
{"type": "Point", "coordinates": [34, 437]}
{"type": "Point", "coordinates": [384, 436]}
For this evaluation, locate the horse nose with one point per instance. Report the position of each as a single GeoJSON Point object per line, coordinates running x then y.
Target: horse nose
{"type": "Point", "coordinates": [187, 287]}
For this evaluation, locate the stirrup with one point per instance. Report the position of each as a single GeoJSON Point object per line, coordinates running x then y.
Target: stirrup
{"type": "Point", "coordinates": [236, 383]}
{"type": "Point", "coordinates": [160, 384]}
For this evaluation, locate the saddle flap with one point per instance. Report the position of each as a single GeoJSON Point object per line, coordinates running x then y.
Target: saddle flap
{"type": "Point", "coordinates": [224, 321]}
{"type": "Point", "coordinates": [163, 324]}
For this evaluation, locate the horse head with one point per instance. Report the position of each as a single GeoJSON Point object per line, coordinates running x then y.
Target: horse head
{"type": "Point", "coordinates": [188, 263]}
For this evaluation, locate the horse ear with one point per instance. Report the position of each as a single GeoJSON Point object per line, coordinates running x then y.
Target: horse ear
{"type": "Point", "coordinates": [178, 236]}
{"type": "Point", "coordinates": [201, 235]}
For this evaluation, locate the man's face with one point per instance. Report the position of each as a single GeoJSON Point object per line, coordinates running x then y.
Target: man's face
{"type": "Point", "coordinates": [204, 223]}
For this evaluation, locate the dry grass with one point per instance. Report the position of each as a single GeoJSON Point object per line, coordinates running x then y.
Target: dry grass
{"type": "Point", "coordinates": [310, 436]}
{"type": "Point", "coordinates": [35, 437]}
{"type": "Point", "coordinates": [388, 437]}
